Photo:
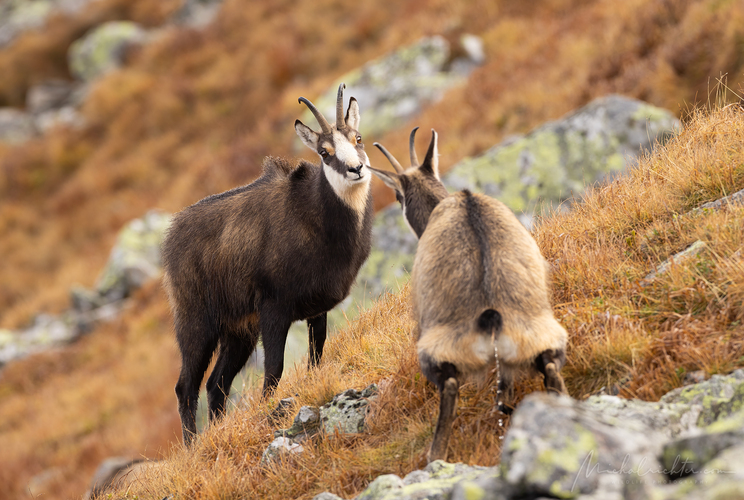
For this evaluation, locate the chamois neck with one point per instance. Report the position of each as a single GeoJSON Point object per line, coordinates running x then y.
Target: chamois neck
{"type": "Point", "coordinates": [352, 195]}
{"type": "Point", "coordinates": [420, 204]}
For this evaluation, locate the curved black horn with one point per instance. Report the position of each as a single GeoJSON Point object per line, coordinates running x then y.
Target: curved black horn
{"type": "Point", "coordinates": [412, 148]}
{"type": "Point", "coordinates": [340, 107]}
{"type": "Point", "coordinates": [390, 158]}
{"type": "Point", "coordinates": [324, 125]}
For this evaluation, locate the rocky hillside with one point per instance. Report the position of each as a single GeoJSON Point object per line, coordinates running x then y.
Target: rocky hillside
{"type": "Point", "coordinates": [110, 109]}
{"type": "Point", "coordinates": [648, 278]}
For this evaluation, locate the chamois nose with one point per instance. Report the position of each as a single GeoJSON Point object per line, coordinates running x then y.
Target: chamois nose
{"type": "Point", "coordinates": [357, 170]}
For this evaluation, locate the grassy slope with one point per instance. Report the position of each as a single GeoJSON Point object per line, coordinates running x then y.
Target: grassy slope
{"type": "Point", "coordinates": [196, 112]}
{"type": "Point", "coordinates": [644, 338]}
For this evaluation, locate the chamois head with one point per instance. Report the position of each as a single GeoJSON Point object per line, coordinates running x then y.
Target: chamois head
{"type": "Point", "coordinates": [340, 147]}
{"type": "Point", "coordinates": [418, 189]}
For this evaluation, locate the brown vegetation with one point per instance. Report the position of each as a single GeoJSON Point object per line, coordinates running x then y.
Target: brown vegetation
{"type": "Point", "coordinates": [195, 113]}
{"type": "Point", "coordinates": [639, 338]}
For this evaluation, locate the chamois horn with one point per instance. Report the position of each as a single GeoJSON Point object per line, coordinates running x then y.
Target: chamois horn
{"type": "Point", "coordinates": [340, 122]}
{"type": "Point", "coordinates": [324, 125]}
{"type": "Point", "coordinates": [390, 157]}
{"type": "Point", "coordinates": [412, 148]}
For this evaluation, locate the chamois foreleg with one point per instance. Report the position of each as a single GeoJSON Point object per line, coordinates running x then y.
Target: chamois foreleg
{"type": "Point", "coordinates": [234, 352]}
{"type": "Point", "coordinates": [549, 363]}
{"type": "Point", "coordinates": [316, 332]}
{"type": "Point", "coordinates": [274, 325]}
{"type": "Point", "coordinates": [197, 343]}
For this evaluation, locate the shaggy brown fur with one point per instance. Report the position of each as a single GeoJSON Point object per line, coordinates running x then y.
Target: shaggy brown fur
{"type": "Point", "coordinates": [248, 262]}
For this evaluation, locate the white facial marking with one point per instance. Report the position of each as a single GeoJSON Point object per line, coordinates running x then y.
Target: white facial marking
{"type": "Point", "coordinates": [346, 153]}
{"type": "Point", "coordinates": [352, 192]}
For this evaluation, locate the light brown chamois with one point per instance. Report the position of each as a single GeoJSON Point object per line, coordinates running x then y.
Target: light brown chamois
{"type": "Point", "coordinates": [479, 282]}
{"type": "Point", "coordinates": [248, 262]}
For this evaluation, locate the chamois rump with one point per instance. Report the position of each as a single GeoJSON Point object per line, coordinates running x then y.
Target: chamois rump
{"type": "Point", "coordinates": [252, 260]}
{"type": "Point", "coordinates": [478, 282]}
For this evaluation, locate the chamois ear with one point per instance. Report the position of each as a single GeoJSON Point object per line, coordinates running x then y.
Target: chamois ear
{"type": "Point", "coordinates": [352, 114]}
{"type": "Point", "coordinates": [308, 135]}
{"type": "Point", "coordinates": [431, 161]}
{"type": "Point", "coordinates": [391, 179]}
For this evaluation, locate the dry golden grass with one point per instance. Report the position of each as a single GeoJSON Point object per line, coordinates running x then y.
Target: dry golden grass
{"type": "Point", "coordinates": [641, 336]}
{"type": "Point", "coordinates": [687, 319]}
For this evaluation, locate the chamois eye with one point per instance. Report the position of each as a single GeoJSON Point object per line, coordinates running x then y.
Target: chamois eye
{"type": "Point", "coordinates": [359, 139]}
{"type": "Point", "coordinates": [324, 153]}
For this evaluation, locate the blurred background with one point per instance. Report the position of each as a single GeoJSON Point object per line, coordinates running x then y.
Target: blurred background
{"type": "Point", "coordinates": [116, 113]}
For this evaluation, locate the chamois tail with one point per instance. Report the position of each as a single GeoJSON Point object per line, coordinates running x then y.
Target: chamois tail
{"type": "Point", "coordinates": [489, 322]}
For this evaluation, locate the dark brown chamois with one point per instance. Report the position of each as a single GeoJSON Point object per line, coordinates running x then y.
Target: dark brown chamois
{"type": "Point", "coordinates": [248, 262]}
{"type": "Point", "coordinates": [479, 282]}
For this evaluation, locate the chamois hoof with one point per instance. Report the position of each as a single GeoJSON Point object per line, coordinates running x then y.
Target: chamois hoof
{"type": "Point", "coordinates": [554, 380]}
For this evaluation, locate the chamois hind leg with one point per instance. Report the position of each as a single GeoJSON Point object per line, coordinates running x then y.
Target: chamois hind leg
{"type": "Point", "coordinates": [197, 343]}
{"type": "Point", "coordinates": [444, 376]}
{"type": "Point", "coordinates": [549, 363]}
{"type": "Point", "coordinates": [234, 352]}
{"type": "Point", "coordinates": [448, 396]}
{"type": "Point", "coordinates": [506, 391]}
{"type": "Point", "coordinates": [274, 326]}
{"type": "Point", "coordinates": [316, 332]}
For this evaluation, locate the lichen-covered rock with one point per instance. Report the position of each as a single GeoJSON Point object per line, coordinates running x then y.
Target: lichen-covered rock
{"type": "Point", "coordinates": [547, 165]}
{"type": "Point", "coordinates": [486, 486]}
{"type": "Point", "coordinates": [17, 16]}
{"type": "Point", "coordinates": [604, 448]}
{"type": "Point", "coordinates": [135, 257]}
{"type": "Point", "coordinates": [345, 414]}
{"type": "Point", "coordinates": [683, 456]}
{"type": "Point", "coordinates": [45, 333]}
{"type": "Point", "coordinates": [438, 481]}
{"type": "Point", "coordinates": [396, 87]}
{"type": "Point", "coordinates": [389, 263]}
{"type": "Point", "coordinates": [305, 424]}
{"type": "Point", "coordinates": [347, 411]}
{"type": "Point", "coordinates": [561, 158]}
{"type": "Point", "coordinates": [716, 398]}
{"type": "Point", "coordinates": [16, 126]}
{"type": "Point", "coordinates": [103, 49]}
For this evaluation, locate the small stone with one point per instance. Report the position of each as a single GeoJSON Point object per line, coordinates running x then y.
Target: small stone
{"type": "Point", "coordinates": [279, 447]}
{"type": "Point", "coordinates": [16, 126]}
{"type": "Point", "coordinates": [695, 377]}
